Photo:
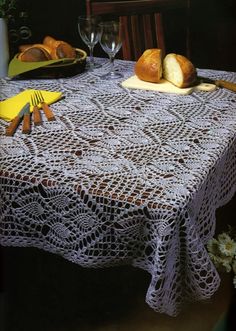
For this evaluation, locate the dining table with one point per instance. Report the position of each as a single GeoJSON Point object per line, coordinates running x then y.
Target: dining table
{"type": "Point", "coordinates": [123, 177]}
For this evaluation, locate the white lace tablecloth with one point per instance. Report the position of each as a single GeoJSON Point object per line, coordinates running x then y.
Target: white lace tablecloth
{"type": "Point", "coordinates": [123, 177]}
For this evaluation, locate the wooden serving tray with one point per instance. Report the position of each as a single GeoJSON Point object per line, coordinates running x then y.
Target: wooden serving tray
{"type": "Point", "coordinates": [164, 86]}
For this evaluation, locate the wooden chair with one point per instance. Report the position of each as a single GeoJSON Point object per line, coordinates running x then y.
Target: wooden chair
{"type": "Point", "coordinates": [143, 20]}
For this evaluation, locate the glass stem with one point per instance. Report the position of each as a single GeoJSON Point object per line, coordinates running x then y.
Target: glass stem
{"type": "Point", "coordinates": [112, 57]}
{"type": "Point", "coordinates": [91, 58]}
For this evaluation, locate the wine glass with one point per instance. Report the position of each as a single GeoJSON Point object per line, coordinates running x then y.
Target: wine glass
{"type": "Point", "coordinates": [89, 30]}
{"type": "Point", "coordinates": [110, 39]}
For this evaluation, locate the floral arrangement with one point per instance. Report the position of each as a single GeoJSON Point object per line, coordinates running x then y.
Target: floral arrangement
{"type": "Point", "coordinates": [222, 252]}
{"type": "Point", "coordinates": [6, 6]}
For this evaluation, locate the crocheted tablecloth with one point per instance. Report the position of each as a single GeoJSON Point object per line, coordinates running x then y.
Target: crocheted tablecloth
{"type": "Point", "coordinates": [123, 177]}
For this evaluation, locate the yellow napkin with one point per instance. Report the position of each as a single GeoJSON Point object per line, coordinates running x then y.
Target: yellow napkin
{"type": "Point", "coordinates": [10, 108]}
{"type": "Point", "coordinates": [17, 67]}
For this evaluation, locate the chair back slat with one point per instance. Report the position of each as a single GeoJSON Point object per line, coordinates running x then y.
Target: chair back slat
{"type": "Point", "coordinates": [127, 45]}
{"type": "Point", "coordinates": [143, 20]}
{"type": "Point", "coordinates": [160, 32]}
{"type": "Point", "coordinates": [148, 27]}
{"type": "Point", "coordinates": [136, 36]}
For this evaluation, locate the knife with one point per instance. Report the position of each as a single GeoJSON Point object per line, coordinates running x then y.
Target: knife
{"type": "Point", "coordinates": [220, 83]}
{"type": "Point", "coordinates": [11, 129]}
{"type": "Point", "coordinates": [26, 121]}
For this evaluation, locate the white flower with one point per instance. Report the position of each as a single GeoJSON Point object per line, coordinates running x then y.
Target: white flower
{"type": "Point", "coordinates": [227, 246]}
{"type": "Point", "coordinates": [222, 252]}
{"type": "Point", "coordinates": [223, 237]}
{"type": "Point", "coordinates": [222, 264]}
{"type": "Point", "coordinates": [213, 246]}
{"type": "Point", "coordinates": [226, 263]}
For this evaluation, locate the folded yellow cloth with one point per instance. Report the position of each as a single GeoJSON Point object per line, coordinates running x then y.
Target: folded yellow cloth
{"type": "Point", "coordinates": [10, 108]}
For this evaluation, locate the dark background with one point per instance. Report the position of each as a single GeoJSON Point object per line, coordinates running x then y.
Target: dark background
{"type": "Point", "coordinates": [212, 27]}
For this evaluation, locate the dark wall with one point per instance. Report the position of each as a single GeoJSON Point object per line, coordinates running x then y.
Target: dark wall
{"type": "Point", "coordinates": [213, 34]}
{"type": "Point", "coordinates": [212, 28]}
{"type": "Point", "coordinates": [57, 18]}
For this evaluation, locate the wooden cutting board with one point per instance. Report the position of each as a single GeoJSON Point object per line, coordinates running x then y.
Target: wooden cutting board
{"type": "Point", "coordinates": [164, 86]}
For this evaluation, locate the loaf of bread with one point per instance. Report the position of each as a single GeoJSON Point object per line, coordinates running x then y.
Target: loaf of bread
{"type": "Point", "coordinates": [35, 53]}
{"type": "Point", "coordinates": [50, 49]}
{"type": "Point", "coordinates": [59, 48]}
{"type": "Point", "coordinates": [149, 66]}
{"type": "Point", "coordinates": [24, 47]}
{"type": "Point", "coordinates": [178, 70]}
{"type": "Point", "coordinates": [175, 68]}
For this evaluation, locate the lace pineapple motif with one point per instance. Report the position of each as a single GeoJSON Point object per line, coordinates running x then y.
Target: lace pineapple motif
{"type": "Point", "coordinates": [123, 177]}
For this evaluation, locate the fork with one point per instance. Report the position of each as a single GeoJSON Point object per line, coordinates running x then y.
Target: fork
{"type": "Point", "coordinates": [36, 111]}
{"type": "Point", "coordinates": [49, 114]}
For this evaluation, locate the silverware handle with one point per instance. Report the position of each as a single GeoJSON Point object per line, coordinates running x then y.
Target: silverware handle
{"type": "Point", "coordinates": [26, 124]}
{"type": "Point", "coordinates": [49, 114]}
{"type": "Point", "coordinates": [11, 129]}
{"type": "Point", "coordinates": [37, 116]}
{"type": "Point", "coordinates": [227, 85]}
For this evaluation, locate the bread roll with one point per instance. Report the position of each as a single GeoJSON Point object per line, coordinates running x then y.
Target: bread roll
{"type": "Point", "coordinates": [24, 47]}
{"type": "Point", "coordinates": [149, 66]}
{"type": "Point", "coordinates": [49, 41]}
{"type": "Point", "coordinates": [51, 49]}
{"type": "Point", "coordinates": [59, 48]}
{"type": "Point", "coordinates": [35, 53]}
{"type": "Point", "coordinates": [178, 70]}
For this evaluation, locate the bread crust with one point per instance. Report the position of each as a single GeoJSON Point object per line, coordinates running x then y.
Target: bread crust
{"type": "Point", "coordinates": [188, 71]}
{"type": "Point", "coordinates": [22, 48]}
{"type": "Point", "coordinates": [149, 66]}
{"type": "Point", "coordinates": [51, 49]}
{"type": "Point", "coordinates": [49, 41]}
{"type": "Point", "coordinates": [59, 48]}
{"type": "Point", "coordinates": [35, 53]}
{"type": "Point", "coordinates": [62, 50]}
